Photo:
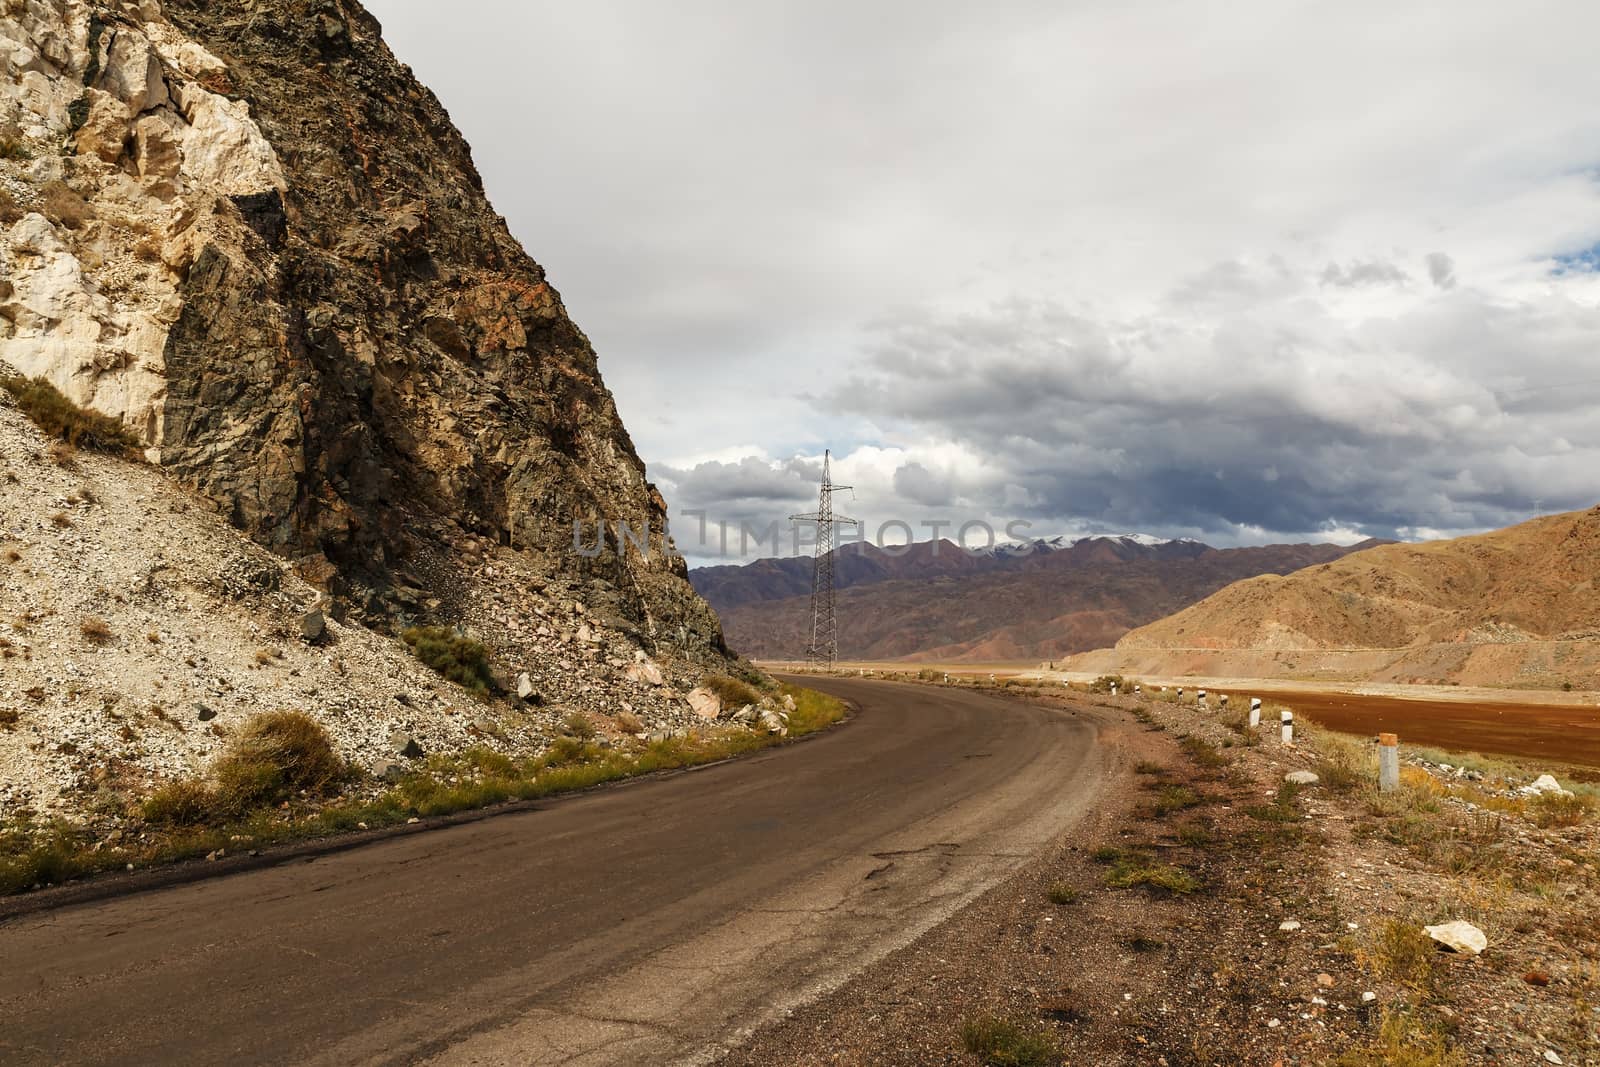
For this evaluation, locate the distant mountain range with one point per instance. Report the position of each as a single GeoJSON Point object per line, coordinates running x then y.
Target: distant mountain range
{"type": "Point", "coordinates": [1517, 607]}
{"type": "Point", "coordinates": [1039, 599]}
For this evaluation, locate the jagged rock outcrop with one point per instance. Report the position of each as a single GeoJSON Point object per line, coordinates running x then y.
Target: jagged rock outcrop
{"type": "Point", "coordinates": [248, 232]}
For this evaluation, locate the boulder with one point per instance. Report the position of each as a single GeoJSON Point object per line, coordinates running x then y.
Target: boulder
{"type": "Point", "coordinates": [313, 625]}
{"type": "Point", "coordinates": [1545, 784]}
{"type": "Point", "coordinates": [788, 702]}
{"type": "Point", "coordinates": [646, 671]}
{"type": "Point", "coordinates": [404, 745]}
{"type": "Point", "coordinates": [704, 703]}
{"type": "Point", "coordinates": [1301, 778]}
{"type": "Point", "coordinates": [1458, 936]}
{"type": "Point", "coordinates": [132, 72]}
{"type": "Point", "coordinates": [389, 770]}
{"type": "Point", "coordinates": [203, 713]}
{"type": "Point", "coordinates": [746, 714]}
{"type": "Point", "coordinates": [526, 691]}
{"type": "Point", "coordinates": [104, 132]}
{"type": "Point", "coordinates": [155, 145]}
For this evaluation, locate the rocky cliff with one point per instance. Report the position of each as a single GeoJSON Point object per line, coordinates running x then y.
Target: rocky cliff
{"type": "Point", "coordinates": [249, 233]}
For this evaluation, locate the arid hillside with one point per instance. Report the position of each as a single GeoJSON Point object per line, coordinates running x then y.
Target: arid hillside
{"type": "Point", "coordinates": [937, 602]}
{"type": "Point", "coordinates": [1513, 607]}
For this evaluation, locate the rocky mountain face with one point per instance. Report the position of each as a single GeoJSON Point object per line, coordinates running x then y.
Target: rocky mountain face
{"type": "Point", "coordinates": [249, 233]}
{"type": "Point", "coordinates": [935, 601]}
{"type": "Point", "coordinates": [1513, 607]}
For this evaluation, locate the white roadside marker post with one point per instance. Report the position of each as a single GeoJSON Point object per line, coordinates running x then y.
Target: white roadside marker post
{"type": "Point", "coordinates": [1255, 712]}
{"type": "Point", "coordinates": [1288, 726]}
{"type": "Point", "coordinates": [1137, 691]}
{"type": "Point", "coordinates": [1388, 763]}
{"type": "Point", "coordinates": [1223, 700]}
{"type": "Point", "coordinates": [1113, 688]}
{"type": "Point", "coordinates": [1180, 694]}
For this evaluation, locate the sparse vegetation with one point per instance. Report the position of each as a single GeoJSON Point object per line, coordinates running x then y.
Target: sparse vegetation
{"type": "Point", "coordinates": [59, 417]}
{"type": "Point", "coordinates": [1173, 798]}
{"type": "Point", "coordinates": [279, 780]}
{"type": "Point", "coordinates": [454, 655]}
{"type": "Point", "coordinates": [1403, 1040]}
{"type": "Point", "coordinates": [62, 204]}
{"type": "Point", "coordinates": [274, 756]}
{"type": "Point", "coordinates": [732, 692]}
{"type": "Point", "coordinates": [1062, 893]}
{"type": "Point", "coordinates": [577, 725]}
{"type": "Point", "coordinates": [1104, 683]}
{"type": "Point", "coordinates": [1002, 1042]}
{"type": "Point", "coordinates": [95, 629]}
{"type": "Point", "coordinates": [1138, 870]}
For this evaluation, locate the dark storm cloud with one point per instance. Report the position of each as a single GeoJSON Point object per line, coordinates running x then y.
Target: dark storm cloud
{"type": "Point", "coordinates": [1454, 413]}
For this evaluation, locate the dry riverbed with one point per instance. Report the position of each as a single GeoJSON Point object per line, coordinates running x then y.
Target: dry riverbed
{"type": "Point", "coordinates": [1211, 913]}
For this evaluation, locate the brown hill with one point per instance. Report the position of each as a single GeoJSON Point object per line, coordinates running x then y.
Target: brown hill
{"type": "Point", "coordinates": [937, 602]}
{"type": "Point", "coordinates": [1512, 607]}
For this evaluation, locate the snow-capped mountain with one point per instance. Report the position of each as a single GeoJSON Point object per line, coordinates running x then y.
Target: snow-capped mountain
{"type": "Point", "coordinates": [1029, 546]}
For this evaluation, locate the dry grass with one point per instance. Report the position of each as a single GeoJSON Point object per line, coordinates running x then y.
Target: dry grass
{"type": "Point", "coordinates": [274, 756]}
{"type": "Point", "coordinates": [628, 722]}
{"type": "Point", "coordinates": [60, 418]}
{"type": "Point", "coordinates": [732, 692]}
{"type": "Point", "coordinates": [60, 203]}
{"type": "Point", "coordinates": [95, 629]}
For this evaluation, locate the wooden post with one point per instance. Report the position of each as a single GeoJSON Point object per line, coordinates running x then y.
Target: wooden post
{"type": "Point", "coordinates": [1388, 763]}
{"type": "Point", "coordinates": [1288, 726]}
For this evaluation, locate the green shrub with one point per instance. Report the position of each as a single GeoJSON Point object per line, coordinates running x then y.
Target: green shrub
{"type": "Point", "coordinates": [1104, 683]}
{"type": "Point", "coordinates": [59, 417]}
{"type": "Point", "coordinates": [456, 656]}
{"type": "Point", "coordinates": [1133, 870]}
{"type": "Point", "coordinates": [1062, 893]}
{"type": "Point", "coordinates": [1006, 1043]}
{"type": "Point", "coordinates": [578, 725]}
{"type": "Point", "coordinates": [180, 802]}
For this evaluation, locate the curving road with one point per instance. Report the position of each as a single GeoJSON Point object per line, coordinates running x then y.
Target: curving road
{"type": "Point", "coordinates": [654, 922]}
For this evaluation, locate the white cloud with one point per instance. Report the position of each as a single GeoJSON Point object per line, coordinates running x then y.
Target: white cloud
{"type": "Point", "coordinates": [1086, 264]}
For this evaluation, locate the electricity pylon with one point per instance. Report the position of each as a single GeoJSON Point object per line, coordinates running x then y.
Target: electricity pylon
{"type": "Point", "coordinates": [824, 647]}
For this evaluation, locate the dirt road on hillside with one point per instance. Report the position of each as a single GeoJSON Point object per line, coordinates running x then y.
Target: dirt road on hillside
{"type": "Point", "coordinates": [654, 922]}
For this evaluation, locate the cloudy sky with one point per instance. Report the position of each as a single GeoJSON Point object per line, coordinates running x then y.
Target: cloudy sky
{"type": "Point", "coordinates": [1246, 272]}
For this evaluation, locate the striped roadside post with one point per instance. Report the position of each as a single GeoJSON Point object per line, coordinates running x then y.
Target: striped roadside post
{"type": "Point", "coordinates": [1288, 726]}
{"type": "Point", "coordinates": [1255, 712]}
{"type": "Point", "coordinates": [1388, 763]}
{"type": "Point", "coordinates": [1223, 700]}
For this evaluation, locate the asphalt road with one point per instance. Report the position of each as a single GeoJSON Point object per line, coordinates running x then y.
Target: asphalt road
{"type": "Point", "coordinates": [655, 922]}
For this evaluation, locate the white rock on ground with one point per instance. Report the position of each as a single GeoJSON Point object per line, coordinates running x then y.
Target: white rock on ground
{"type": "Point", "coordinates": [1458, 936]}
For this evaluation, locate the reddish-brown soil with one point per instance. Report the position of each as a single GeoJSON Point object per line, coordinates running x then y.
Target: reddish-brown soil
{"type": "Point", "coordinates": [1564, 734]}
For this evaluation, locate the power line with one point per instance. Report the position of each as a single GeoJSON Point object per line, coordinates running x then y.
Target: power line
{"type": "Point", "coordinates": [823, 650]}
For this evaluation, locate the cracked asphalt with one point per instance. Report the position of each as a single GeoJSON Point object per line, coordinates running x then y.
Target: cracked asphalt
{"type": "Point", "coordinates": [662, 921]}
